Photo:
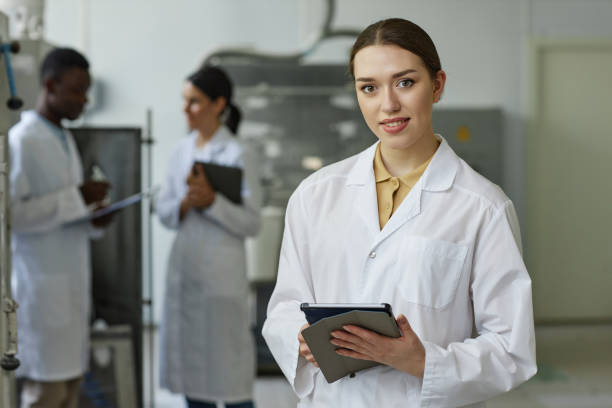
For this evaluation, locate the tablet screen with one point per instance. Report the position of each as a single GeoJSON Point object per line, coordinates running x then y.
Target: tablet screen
{"type": "Point", "coordinates": [317, 311]}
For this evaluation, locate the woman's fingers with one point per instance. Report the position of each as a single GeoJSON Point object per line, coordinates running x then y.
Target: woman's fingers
{"type": "Point", "coordinates": [357, 335]}
{"type": "Point", "coordinates": [304, 350]}
{"type": "Point", "coordinates": [307, 354]}
{"type": "Point", "coordinates": [404, 325]}
{"type": "Point", "coordinates": [354, 354]}
{"type": "Point", "coordinates": [348, 346]}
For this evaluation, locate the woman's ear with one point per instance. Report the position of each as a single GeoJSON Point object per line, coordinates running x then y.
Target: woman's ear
{"type": "Point", "coordinates": [220, 104]}
{"type": "Point", "coordinates": [438, 85]}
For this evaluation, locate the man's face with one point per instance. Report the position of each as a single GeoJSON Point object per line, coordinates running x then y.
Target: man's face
{"type": "Point", "coordinates": [68, 93]}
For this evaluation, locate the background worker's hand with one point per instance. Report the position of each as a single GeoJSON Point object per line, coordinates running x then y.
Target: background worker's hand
{"type": "Point", "coordinates": [405, 353]}
{"type": "Point", "coordinates": [200, 193]}
{"type": "Point", "coordinates": [94, 191]}
{"type": "Point", "coordinates": [304, 349]}
{"type": "Point", "coordinates": [101, 222]}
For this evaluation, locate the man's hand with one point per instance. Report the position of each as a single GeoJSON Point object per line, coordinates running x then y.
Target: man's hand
{"type": "Point", "coordinates": [304, 349]}
{"type": "Point", "coordinates": [94, 191]}
{"type": "Point", "coordinates": [101, 222]}
{"type": "Point", "coordinates": [404, 353]}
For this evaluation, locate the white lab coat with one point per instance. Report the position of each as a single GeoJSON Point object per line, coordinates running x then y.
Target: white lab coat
{"type": "Point", "coordinates": [449, 259]}
{"type": "Point", "coordinates": [51, 260]}
{"type": "Point", "coordinates": [207, 347]}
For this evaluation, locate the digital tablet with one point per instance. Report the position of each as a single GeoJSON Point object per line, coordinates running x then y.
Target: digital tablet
{"type": "Point", "coordinates": [317, 311]}
{"type": "Point", "coordinates": [226, 180]}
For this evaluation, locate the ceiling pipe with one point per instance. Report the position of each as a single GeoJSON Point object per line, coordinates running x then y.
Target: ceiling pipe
{"type": "Point", "coordinates": [236, 55]}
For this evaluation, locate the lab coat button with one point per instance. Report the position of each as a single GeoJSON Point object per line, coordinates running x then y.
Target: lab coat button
{"type": "Point", "coordinates": [372, 254]}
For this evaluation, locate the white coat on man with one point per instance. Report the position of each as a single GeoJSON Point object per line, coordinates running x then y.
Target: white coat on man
{"type": "Point", "coordinates": [449, 259]}
{"type": "Point", "coordinates": [51, 260]}
{"type": "Point", "coordinates": [207, 347]}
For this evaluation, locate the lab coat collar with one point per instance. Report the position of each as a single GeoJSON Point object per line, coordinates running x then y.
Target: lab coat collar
{"type": "Point", "coordinates": [58, 134]}
{"type": "Point", "coordinates": [440, 173]}
{"type": "Point", "coordinates": [362, 172]}
{"type": "Point", "coordinates": [438, 176]}
{"type": "Point", "coordinates": [30, 116]}
{"type": "Point", "coordinates": [217, 143]}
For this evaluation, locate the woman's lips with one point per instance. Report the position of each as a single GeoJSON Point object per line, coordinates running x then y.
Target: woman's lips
{"type": "Point", "coordinates": [394, 125]}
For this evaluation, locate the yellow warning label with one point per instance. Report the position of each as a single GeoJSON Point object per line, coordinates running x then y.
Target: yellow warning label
{"type": "Point", "coordinates": [464, 134]}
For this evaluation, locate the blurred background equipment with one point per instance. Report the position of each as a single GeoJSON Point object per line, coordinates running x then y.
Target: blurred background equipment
{"type": "Point", "coordinates": [26, 18]}
{"type": "Point", "coordinates": [117, 258]}
{"type": "Point", "coordinates": [8, 307]}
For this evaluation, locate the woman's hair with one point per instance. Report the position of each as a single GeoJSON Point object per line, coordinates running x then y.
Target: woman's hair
{"type": "Point", "coordinates": [404, 34]}
{"type": "Point", "coordinates": [214, 82]}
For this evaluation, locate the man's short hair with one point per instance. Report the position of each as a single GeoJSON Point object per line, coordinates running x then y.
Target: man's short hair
{"type": "Point", "coordinates": [60, 60]}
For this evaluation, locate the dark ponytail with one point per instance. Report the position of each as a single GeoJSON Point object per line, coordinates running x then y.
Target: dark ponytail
{"type": "Point", "coordinates": [214, 82]}
{"type": "Point", "coordinates": [234, 116]}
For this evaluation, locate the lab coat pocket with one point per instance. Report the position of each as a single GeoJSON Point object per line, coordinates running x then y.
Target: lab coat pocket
{"type": "Point", "coordinates": [52, 303]}
{"type": "Point", "coordinates": [430, 270]}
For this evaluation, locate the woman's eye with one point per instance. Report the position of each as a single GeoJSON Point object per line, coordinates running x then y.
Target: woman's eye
{"type": "Point", "coordinates": [405, 83]}
{"type": "Point", "coordinates": [368, 89]}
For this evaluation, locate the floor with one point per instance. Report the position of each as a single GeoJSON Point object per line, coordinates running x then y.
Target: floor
{"type": "Point", "coordinates": [575, 371]}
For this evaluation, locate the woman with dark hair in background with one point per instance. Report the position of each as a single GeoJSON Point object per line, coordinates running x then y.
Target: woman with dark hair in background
{"type": "Point", "coordinates": [405, 222]}
{"type": "Point", "coordinates": [207, 348]}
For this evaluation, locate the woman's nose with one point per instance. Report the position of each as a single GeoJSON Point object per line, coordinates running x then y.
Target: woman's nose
{"type": "Point", "coordinates": [391, 102]}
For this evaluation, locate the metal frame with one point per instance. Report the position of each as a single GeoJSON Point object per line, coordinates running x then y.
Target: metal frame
{"type": "Point", "coordinates": [8, 306]}
{"type": "Point", "coordinates": [8, 320]}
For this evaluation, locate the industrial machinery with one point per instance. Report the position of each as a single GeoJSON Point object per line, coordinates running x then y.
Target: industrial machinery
{"type": "Point", "coordinates": [115, 375]}
{"type": "Point", "coordinates": [8, 307]}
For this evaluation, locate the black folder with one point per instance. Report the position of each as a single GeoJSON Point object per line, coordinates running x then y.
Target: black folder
{"type": "Point", "coordinates": [226, 180]}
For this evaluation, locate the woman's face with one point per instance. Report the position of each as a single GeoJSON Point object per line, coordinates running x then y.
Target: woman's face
{"type": "Point", "coordinates": [200, 111]}
{"type": "Point", "coordinates": [396, 94]}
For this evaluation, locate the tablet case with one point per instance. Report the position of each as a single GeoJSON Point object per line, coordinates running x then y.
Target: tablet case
{"type": "Point", "coordinates": [317, 311]}
{"type": "Point", "coordinates": [226, 180]}
{"type": "Point", "coordinates": [318, 336]}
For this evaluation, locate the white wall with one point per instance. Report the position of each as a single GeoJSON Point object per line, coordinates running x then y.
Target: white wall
{"type": "Point", "coordinates": [142, 49]}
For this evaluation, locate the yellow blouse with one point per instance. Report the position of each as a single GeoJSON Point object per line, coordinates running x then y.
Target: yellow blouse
{"type": "Point", "coordinates": [390, 190]}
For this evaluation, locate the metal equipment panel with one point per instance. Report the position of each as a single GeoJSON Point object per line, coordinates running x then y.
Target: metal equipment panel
{"type": "Point", "coordinates": [117, 257]}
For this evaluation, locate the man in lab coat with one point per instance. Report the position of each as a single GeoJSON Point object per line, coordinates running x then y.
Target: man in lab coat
{"type": "Point", "coordinates": [51, 260]}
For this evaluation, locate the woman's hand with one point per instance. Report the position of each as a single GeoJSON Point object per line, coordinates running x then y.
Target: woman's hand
{"type": "Point", "coordinates": [304, 349]}
{"type": "Point", "coordinates": [404, 353]}
{"type": "Point", "coordinates": [200, 193]}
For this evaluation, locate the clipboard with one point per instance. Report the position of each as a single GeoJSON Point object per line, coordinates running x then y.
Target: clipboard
{"type": "Point", "coordinates": [375, 317]}
{"type": "Point", "coordinates": [226, 180]}
{"type": "Point", "coordinates": [118, 205]}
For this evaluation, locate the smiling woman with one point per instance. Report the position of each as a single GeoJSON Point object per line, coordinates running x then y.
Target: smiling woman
{"type": "Point", "coordinates": [405, 222]}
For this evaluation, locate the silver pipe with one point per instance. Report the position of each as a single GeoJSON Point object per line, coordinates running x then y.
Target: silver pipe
{"type": "Point", "coordinates": [238, 55]}
{"type": "Point", "coordinates": [8, 306]}
{"type": "Point", "coordinates": [150, 324]}
{"type": "Point", "coordinates": [273, 90]}
{"type": "Point", "coordinates": [8, 342]}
